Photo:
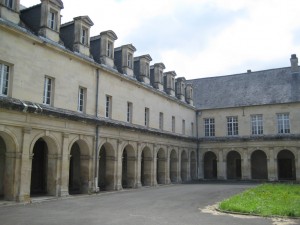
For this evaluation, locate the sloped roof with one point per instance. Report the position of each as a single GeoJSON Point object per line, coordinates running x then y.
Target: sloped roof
{"type": "Point", "coordinates": [247, 89]}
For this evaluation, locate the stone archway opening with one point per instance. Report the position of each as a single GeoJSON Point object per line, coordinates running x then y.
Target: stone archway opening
{"type": "Point", "coordinates": [210, 165]}
{"type": "Point", "coordinates": [173, 167]}
{"type": "Point", "coordinates": [286, 165]}
{"type": "Point", "coordinates": [2, 167]}
{"type": "Point", "coordinates": [234, 167]}
{"type": "Point", "coordinates": [184, 167]}
{"type": "Point", "coordinates": [146, 167]}
{"type": "Point", "coordinates": [161, 167]}
{"type": "Point", "coordinates": [128, 167]}
{"type": "Point", "coordinates": [259, 167]}
{"type": "Point", "coordinates": [193, 166]}
{"type": "Point", "coordinates": [106, 168]}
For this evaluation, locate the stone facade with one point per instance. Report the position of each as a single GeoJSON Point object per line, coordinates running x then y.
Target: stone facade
{"type": "Point", "coordinates": [64, 109]}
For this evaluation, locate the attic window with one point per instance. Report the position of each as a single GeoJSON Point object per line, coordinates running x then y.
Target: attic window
{"type": "Point", "coordinates": [147, 70]}
{"type": "Point", "coordinates": [84, 36]}
{"type": "Point", "coordinates": [129, 60]}
{"type": "Point", "coordinates": [9, 3]}
{"type": "Point", "coordinates": [109, 49]}
{"type": "Point", "coordinates": [52, 20]}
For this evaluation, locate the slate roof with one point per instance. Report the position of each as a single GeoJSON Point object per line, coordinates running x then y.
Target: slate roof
{"type": "Point", "coordinates": [254, 88]}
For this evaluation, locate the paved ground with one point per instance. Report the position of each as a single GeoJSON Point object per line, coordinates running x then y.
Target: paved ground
{"type": "Point", "coordinates": [166, 205]}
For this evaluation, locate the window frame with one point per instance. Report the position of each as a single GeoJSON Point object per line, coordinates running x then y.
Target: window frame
{"type": "Point", "coordinates": [173, 124]}
{"type": "Point", "coordinates": [209, 127]}
{"type": "Point", "coordinates": [84, 35]}
{"type": "Point", "coordinates": [147, 117]}
{"type": "Point", "coordinates": [48, 92]}
{"type": "Point", "coordinates": [130, 60]}
{"type": "Point", "coordinates": [109, 49]}
{"type": "Point", "coordinates": [183, 127]}
{"type": "Point", "coordinates": [129, 112]}
{"type": "Point", "coordinates": [283, 124]}
{"type": "Point", "coordinates": [257, 127]}
{"type": "Point", "coordinates": [161, 120]}
{"type": "Point", "coordinates": [232, 126]}
{"type": "Point", "coordinates": [108, 106]}
{"type": "Point", "coordinates": [192, 129]}
{"type": "Point", "coordinates": [9, 4]}
{"type": "Point", "coordinates": [81, 103]}
{"type": "Point", "coordinates": [5, 71]}
{"type": "Point", "coordinates": [52, 19]}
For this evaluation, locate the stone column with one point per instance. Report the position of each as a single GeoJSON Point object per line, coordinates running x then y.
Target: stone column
{"type": "Point", "coordinates": [168, 179]}
{"type": "Point", "coordinates": [154, 166]}
{"type": "Point", "coordinates": [179, 180]}
{"type": "Point", "coordinates": [297, 164]}
{"type": "Point", "coordinates": [25, 167]}
{"type": "Point", "coordinates": [272, 165]}
{"type": "Point", "coordinates": [221, 167]}
{"type": "Point", "coordinates": [189, 167]}
{"type": "Point", "coordinates": [11, 175]}
{"type": "Point", "coordinates": [246, 173]}
{"type": "Point", "coordinates": [200, 167]}
{"type": "Point", "coordinates": [64, 168]}
{"type": "Point", "coordinates": [138, 166]}
{"type": "Point", "coordinates": [119, 166]}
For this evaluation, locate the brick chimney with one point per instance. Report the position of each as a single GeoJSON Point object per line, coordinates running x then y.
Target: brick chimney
{"type": "Point", "coordinates": [294, 64]}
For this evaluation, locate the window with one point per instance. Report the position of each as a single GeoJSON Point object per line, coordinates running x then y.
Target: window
{"type": "Point", "coordinates": [173, 83]}
{"type": "Point", "coordinates": [52, 20]}
{"type": "Point", "coordinates": [108, 107]}
{"type": "Point", "coordinates": [209, 127]}
{"type": "Point", "coordinates": [9, 3]}
{"type": "Point", "coordinates": [257, 124]}
{"type": "Point", "coordinates": [183, 126]}
{"type": "Point", "coordinates": [192, 129]}
{"type": "Point", "coordinates": [147, 117]}
{"type": "Point", "coordinates": [147, 70]}
{"type": "Point", "coordinates": [129, 112]}
{"type": "Point", "coordinates": [161, 121]}
{"type": "Point", "coordinates": [283, 120]}
{"type": "Point", "coordinates": [109, 52]}
{"type": "Point", "coordinates": [4, 78]}
{"type": "Point", "coordinates": [232, 125]}
{"type": "Point", "coordinates": [129, 60]}
{"type": "Point", "coordinates": [48, 90]}
{"type": "Point", "coordinates": [173, 124]}
{"type": "Point", "coordinates": [160, 76]}
{"type": "Point", "coordinates": [81, 99]}
{"type": "Point", "coordinates": [84, 36]}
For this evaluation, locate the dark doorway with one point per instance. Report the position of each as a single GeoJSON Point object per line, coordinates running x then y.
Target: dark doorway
{"type": "Point", "coordinates": [74, 175]}
{"type": "Point", "coordinates": [234, 169]}
{"type": "Point", "coordinates": [286, 165]}
{"type": "Point", "coordinates": [184, 167]}
{"type": "Point", "coordinates": [173, 166]}
{"type": "Point", "coordinates": [124, 169]}
{"type": "Point", "coordinates": [193, 166]}
{"type": "Point", "coordinates": [39, 168]}
{"type": "Point", "coordinates": [161, 167]}
{"type": "Point", "coordinates": [102, 169]}
{"type": "Point", "coordinates": [259, 167]}
{"type": "Point", "coordinates": [210, 165]}
{"type": "Point", "coordinates": [2, 166]}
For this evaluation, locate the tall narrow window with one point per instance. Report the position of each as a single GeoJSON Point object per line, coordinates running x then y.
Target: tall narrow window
{"type": "Point", "coordinates": [161, 77]}
{"type": "Point", "coordinates": [84, 37]}
{"type": "Point", "coordinates": [108, 106]}
{"type": "Point", "coordinates": [109, 49]}
{"type": "Point", "coordinates": [147, 117]}
{"type": "Point", "coordinates": [232, 126]}
{"type": "Point", "coordinates": [147, 70]}
{"type": "Point", "coordinates": [257, 124]}
{"type": "Point", "coordinates": [9, 3]}
{"type": "Point", "coordinates": [183, 127]}
{"type": "Point", "coordinates": [48, 90]}
{"type": "Point", "coordinates": [161, 121]}
{"type": "Point", "coordinates": [4, 78]}
{"type": "Point", "coordinates": [81, 99]}
{"type": "Point", "coordinates": [192, 129]}
{"type": "Point", "coordinates": [173, 124]}
{"type": "Point", "coordinates": [283, 122]}
{"type": "Point", "coordinates": [129, 112]}
{"type": "Point", "coordinates": [52, 20]}
{"type": "Point", "coordinates": [209, 127]}
{"type": "Point", "coordinates": [129, 60]}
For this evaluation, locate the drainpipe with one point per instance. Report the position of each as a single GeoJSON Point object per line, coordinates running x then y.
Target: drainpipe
{"type": "Point", "coordinates": [97, 132]}
{"type": "Point", "coordinates": [197, 134]}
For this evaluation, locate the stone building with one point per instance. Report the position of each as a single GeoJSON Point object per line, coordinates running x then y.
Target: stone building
{"type": "Point", "coordinates": [79, 115]}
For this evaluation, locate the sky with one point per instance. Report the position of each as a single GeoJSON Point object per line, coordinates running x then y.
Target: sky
{"type": "Point", "coordinates": [198, 38]}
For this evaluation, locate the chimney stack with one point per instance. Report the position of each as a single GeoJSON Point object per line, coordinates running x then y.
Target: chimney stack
{"type": "Point", "coordinates": [294, 63]}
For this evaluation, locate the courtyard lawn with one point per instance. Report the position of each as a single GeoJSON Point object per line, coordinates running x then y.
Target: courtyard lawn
{"type": "Point", "coordinates": [266, 200]}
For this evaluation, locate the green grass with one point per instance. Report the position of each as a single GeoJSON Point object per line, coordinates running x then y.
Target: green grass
{"type": "Point", "coordinates": [266, 200]}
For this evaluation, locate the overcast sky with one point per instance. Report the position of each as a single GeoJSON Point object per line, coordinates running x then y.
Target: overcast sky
{"type": "Point", "coordinates": [198, 38]}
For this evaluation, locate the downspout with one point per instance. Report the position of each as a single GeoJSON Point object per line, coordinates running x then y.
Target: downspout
{"type": "Point", "coordinates": [197, 135]}
{"type": "Point", "coordinates": [97, 132]}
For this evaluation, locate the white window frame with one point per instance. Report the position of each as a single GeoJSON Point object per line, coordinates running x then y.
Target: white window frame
{"type": "Point", "coordinates": [52, 20]}
{"type": "Point", "coordinates": [209, 127]}
{"type": "Point", "coordinates": [173, 124]}
{"type": "Point", "coordinates": [147, 116]}
{"type": "Point", "coordinates": [4, 79]}
{"type": "Point", "coordinates": [84, 36]}
{"type": "Point", "coordinates": [109, 50]}
{"type": "Point", "coordinates": [183, 127]}
{"type": "Point", "coordinates": [9, 4]}
{"type": "Point", "coordinates": [81, 99]}
{"type": "Point", "coordinates": [129, 112]}
{"type": "Point", "coordinates": [108, 106]}
{"type": "Point", "coordinates": [147, 69]}
{"type": "Point", "coordinates": [161, 120]}
{"type": "Point", "coordinates": [283, 123]}
{"type": "Point", "coordinates": [130, 60]}
{"type": "Point", "coordinates": [257, 124]}
{"type": "Point", "coordinates": [192, 129]}
{"type": "Point", "coordinates": [232, 126]}
{"type": "Point", "coordinates": [48, 90]}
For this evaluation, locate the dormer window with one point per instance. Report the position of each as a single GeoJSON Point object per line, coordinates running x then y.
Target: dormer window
{"type": "Point", "coordinates": [109, 52]}
{"type": "Point", "coordinates": [173, 83]}
{"type": "Point", "coordinates": [147, 69]}
{"type": "Point", "coordinates": [52, 20]}
{"type": "Point", "coordinates": [84, 34]}
{"type": "Point", "coordinates": [9, 3]}
{"type": "Point", "coordinates": [129, 60]}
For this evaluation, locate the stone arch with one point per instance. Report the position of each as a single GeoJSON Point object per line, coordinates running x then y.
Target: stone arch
{"type": "Point", "coordinates": [259, 165]}
{"type": "Point", "coordinates": [184, 166]}
{"type": "Point", "coordinates": [106, 168]}
{"type": "Point", "coordinates": [79, 170]}
{"type": "Point", "coordinates": [286, 165]}
{"type": "Point", "coordinates": [146, 166]}
{"type": "Point", "coordinates": [173, 167]}
{"type": "Point", "coordinates": [128, 166]}
{"type": "Point", "coordinates": [210, 165]}
{"type": "Point", "coordinates": [44, 166]}
{"type": "Point", "coordinates": [52, 143]}
{"type": "Point", "coordinates": [193, 165]}
{"type": "Point", "coordinates": [161, 166]}
{"type": "Point", "coordinates": [8, 149]}
{"type": "Point", "coordinates": [234, 165]}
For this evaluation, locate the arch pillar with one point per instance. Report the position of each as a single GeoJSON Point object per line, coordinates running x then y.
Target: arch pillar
{"type": "Point", "coordinates": [297, 163]}
{"type": "Point", "coordinates": [272, 165]}
{"type": "Point", "coordinates": [138, 183]}
{"type": "Point", "coordinates": [188, 166]}
{"type": "Point", "coordinates": [154, 166]}
{"type": "Point", "coordinates": [200, 168]}
{"type": "Point", "coordinates": [119, 166]}
{"type": "Point", "coordinates": [245, 165]}
{"type": "Point", "coordinates": [179, 180]}
{"type": "Point", "coordinates": [64, 170]}
{"type": "Point", "coordinates": [168, 179]}
{"type": "Point", "coordinates": [221, 166]}
{"type": "Point", "coordinates": [10, 175]}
